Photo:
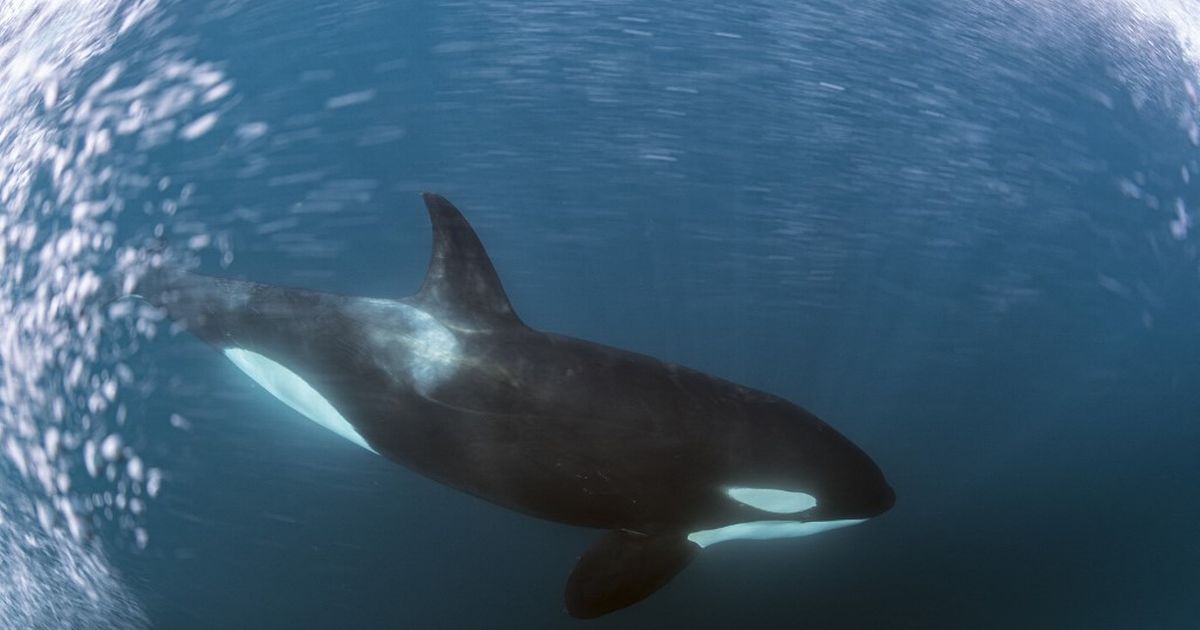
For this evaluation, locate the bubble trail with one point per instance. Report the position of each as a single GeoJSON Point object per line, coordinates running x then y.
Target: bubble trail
{"type": "Point", "coordinates": [74, 122]}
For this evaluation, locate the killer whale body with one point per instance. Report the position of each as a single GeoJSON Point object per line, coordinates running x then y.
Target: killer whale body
{"type": "Point", "coordinates": [452, 384]}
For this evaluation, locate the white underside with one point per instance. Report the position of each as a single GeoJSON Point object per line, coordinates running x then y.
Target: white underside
{"type": "Point", "coordinates": [766, 530]}
{"type": "Point", "coordinates": [769, 500]}
{"type": "Point", "coordinates": [288, 387]}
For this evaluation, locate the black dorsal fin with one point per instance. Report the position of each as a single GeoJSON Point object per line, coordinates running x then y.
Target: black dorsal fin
{"type": "Point", "coordinates": [461, 283]}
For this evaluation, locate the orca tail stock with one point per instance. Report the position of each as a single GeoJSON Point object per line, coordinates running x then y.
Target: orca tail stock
{"type": "Point", "coordinates": [140, 272]}
{"type": "Point", "coordinates": [152, 274]}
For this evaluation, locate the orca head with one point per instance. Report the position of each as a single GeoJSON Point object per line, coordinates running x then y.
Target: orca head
{"type": "Point", "coordinates": [802, 452]}
{"type": "Point", "coordinates": [796, 476]}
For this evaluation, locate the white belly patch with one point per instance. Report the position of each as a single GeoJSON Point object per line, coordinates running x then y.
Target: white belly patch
{"type": "Point", "coordinates": [293, 391]}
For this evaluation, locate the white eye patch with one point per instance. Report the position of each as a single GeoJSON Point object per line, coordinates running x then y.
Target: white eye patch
{"type": "Point", "coordinates": [773, 500]}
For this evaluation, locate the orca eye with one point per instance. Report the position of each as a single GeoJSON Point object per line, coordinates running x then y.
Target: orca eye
{"type": "Point", "coordinates": [773, 499]}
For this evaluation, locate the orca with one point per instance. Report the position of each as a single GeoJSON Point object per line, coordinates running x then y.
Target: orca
{"type": "Point", "coordinates": [450, 383]}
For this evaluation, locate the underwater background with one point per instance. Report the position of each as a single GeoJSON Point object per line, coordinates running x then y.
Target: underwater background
{"type": "Point", "coordinates": [961, 232]}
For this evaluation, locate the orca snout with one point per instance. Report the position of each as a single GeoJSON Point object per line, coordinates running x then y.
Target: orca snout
{"type": "Point", "coordinates": [858, 489]}
{"type": "Point", "coordinates": [885, 499]}
{"type": "Point", "coordinates": [868, 493]}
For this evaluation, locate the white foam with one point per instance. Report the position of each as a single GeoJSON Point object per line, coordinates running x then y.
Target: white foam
{"type": "Point", "coordinates": [199, 127]}
{"type": "Point", "coordinates": [347, 100]}
{"type": "Point", "coordinates": [69, 117]}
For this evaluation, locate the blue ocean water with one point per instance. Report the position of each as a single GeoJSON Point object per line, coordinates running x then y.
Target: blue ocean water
{"type": "Point", "coordinates": [962, 233]}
